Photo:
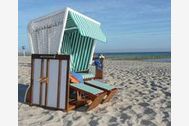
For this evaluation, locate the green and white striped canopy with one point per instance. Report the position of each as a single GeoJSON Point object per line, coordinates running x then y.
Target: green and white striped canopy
{"type": "Point", "coordinates": [87, 28]}
{"type": "Point", "coordinates": [78, 41]}
{"type": "Point", "coordinates": [46, 33]}
{"type": "Point", "coordinates": [80, 48]}
{"type": "Point", "coordinates": [66, 32]}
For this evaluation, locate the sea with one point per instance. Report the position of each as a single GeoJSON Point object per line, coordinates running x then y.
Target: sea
{"type": "Point", "coordinates": [145, 56]}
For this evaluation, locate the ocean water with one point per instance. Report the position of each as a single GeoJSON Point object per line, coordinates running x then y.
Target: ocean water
{"type": "Point", "coordinates": [146, 56]}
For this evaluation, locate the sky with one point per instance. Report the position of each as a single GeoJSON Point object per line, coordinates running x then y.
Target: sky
{"type": "Point", "coordinates": [129, 25]}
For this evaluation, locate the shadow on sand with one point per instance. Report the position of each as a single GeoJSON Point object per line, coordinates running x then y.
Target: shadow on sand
{"type": "Point", "coordinates": [21, 92]}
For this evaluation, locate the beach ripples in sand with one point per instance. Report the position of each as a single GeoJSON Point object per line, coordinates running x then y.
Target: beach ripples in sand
{"type": "Point", "coordinates": [143, 98]}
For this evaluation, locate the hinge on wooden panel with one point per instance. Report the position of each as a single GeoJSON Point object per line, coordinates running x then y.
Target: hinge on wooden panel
{"type": "Point", "coordinates": [43, 80]}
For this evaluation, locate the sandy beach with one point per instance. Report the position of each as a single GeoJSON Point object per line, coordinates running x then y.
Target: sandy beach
{"type": "Point", "coordinates": [143, 99]}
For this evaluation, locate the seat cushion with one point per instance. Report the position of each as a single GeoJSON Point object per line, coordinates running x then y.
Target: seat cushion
{"type": "Point", "coordinates": [87, 75]}
{"type": "Point", "coordinates": [86, 88]}
{"type": "Point", "coordinates": [73, 79]}
{"type": "Point", "coordinates": [78, 76]}
{"type": "Point", "coordinates": [99, 84]}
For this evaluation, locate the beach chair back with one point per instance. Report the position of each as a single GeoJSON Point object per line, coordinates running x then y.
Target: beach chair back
{"type": "Point", "coordinates": [49, 81]}
{"type": "Point", "coordinates": [80, 48]}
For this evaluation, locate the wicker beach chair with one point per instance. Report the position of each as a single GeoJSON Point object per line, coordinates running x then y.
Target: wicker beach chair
{"type": "Point", "coordinates": [64, 42]}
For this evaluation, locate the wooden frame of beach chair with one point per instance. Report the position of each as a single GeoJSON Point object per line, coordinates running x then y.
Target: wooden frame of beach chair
{"type": "Point", "coordinates": [110, 92]}
{"type": "Point", "coordinates": [50, 85]}
{"type": "Point", "coordinates": [49, 82]}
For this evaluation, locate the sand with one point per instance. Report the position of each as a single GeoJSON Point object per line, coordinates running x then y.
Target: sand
{"type": "Point", "coordinates": [143, 99]}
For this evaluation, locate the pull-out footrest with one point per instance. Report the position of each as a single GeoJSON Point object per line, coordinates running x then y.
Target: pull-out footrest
{"type": "Point", "coordinates": [94, 94]}
{"type": "Point", "coordinates": [103, 86]}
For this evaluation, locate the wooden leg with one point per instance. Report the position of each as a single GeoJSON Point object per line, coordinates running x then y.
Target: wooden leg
{"type": "Point", "coordinates": [110, 95]}
{"type": "Point", "coordinates": [80, 100]}
{"type": "Point", "coordinates": [96, 101]}
{"type": "Point", "coordinates": [78, 95]}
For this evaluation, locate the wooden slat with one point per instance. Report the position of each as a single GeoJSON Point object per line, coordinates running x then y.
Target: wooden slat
{"type": "Point", "coordinates": [59, 81]}
{"type": "Point", "coordinates": [41, 76]}
{"type": "Point", "coordinates": [67, 85]}
{"type": "Point", "coordinates": [47, 74]}
{"type": "Point", "coordinates": [32, 75]}
{"type": "Point", "coordinates": [50, 56]}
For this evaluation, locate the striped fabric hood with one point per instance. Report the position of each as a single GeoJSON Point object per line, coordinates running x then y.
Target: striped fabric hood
{"type": "Point", "coordinates": [66, 32]}
{"type": "Point", "coordinates": [79, 41]}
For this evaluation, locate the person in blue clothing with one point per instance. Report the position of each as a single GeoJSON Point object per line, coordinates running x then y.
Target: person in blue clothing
{"type": "Point", "coordinates": [98, 63]}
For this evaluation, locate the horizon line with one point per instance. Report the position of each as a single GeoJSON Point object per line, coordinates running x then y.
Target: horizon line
{"type": "Point", "coordinates": [120, 52]}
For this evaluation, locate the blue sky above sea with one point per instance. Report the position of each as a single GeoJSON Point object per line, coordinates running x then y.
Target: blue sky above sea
{"type": "Point", "coordinates": [130, 25]}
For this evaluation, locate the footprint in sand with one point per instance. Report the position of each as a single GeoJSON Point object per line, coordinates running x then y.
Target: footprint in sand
{"type": "Point", "coordinates": [147, 123]}
{"type": "Point", "coordinates": [149, 111]}
{"type": "Point", "coordinates": [143, 104]}
{"type": "Point", "coordinates": [113, 119]}
{"type": "Point", "coordinates": [124, 117]}
{"type": "Point", "coordinates": [93, 122]}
